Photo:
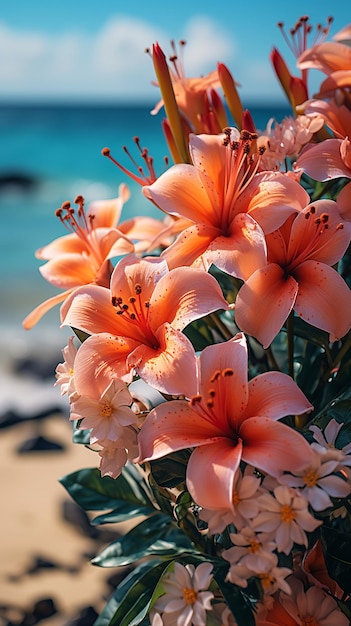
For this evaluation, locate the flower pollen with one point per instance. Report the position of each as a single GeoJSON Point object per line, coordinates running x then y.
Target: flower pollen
{"type": "Point", "coordinates": [106, 410]}
{"type": "Point", "coordinates": [287, 514]}
{"type": "Point", "coordinates": [267, 580]}
{"type": "Point", "coordinates": [309, 620]}
{"type": "Point", "coordinates": [235, 498]}
{"type": "Point", "coordinates": [243, 159]}
{"type": "Point", "coordinates": [311, 478]}
{"type": "Point", "coordinates": [189, 595]}
{"type": "Point", "coordinates": [136, 311]}
{"type": "Point", "coordinates": [254, 546]}
{"type": "Point", "coordinates": [76, 221]}
{"type": "Point", "coordinates": [142, 178]}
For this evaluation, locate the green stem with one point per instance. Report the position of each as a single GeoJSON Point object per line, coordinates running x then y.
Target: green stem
{"type": "Point", "coordinates": [290, 341]}
{"type": "Point", "coordinates": [346, 345]}
{"type": "Point", "coordinates": [221, 327]}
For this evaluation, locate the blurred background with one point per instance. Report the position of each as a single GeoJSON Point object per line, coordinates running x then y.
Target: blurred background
{"type": "Point", "coordinates": [74, 78]}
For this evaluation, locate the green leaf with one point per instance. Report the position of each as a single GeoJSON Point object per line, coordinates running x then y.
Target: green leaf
{"type": "Point", "coordinates": [337, 555]}
{"type": "Point", "coordinates": [338, 409]}
{"type": "Point", "coordinates": [170, 471]}
{"type": "Point", "coordinates": [81, 436]}
{"type": "Point", "coordinates": [130, 602]}
{"type": "Point", "coordinates": [94, 493]}
{"type": "Point", "coordinates": [82, 336]}
{"type": "Point", "coordinates": [158, 535]}
{"type": "Point", "coordinates": [239, 603]}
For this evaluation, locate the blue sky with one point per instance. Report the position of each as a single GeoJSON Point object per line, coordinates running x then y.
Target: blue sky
{"type": "Point", "coordinates": [93, 50]}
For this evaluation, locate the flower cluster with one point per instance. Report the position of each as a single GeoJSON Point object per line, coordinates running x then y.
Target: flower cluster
{"type": "Point", "coordinates": [211, 357]}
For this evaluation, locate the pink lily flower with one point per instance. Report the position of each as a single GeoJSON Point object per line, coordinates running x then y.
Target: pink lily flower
{"type": "Point", "coordinates": [136, 325]}
{"type": "Point", "coordinates": [83, 256]}
{"type": "Point", "coordinates": [229, 203]}
{"type": "Point", "coordinates": [330, 158]}
{"type": "Point", "coordinates": [229, 420]}
{"type": "Point", "coordinates": [299, 276]}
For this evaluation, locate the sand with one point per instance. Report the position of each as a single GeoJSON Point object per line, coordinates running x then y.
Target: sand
{"type": "Point", "coordinates": [32, 526]}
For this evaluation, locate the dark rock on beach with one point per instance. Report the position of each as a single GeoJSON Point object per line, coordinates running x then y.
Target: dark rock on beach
{"type": "Point", "coordinates": [17, 181]}
{"type": "Point", "coordinates": [12, 417]}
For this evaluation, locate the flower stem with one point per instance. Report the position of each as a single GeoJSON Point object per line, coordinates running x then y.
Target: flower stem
{"type": "Point", "coordinates": [290, 343]}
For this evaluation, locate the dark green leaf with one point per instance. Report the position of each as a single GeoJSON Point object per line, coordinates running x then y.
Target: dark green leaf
{"type": "Point", "coordinates": [238, 602]}
{"type": "Point", "coordinates": [337, 555]}
{"type": "Point", "coordinates": [170, 471]}
{"type": "Point", "coordinates": [94, 493]}
{"type": "Point", "coordinates": [82, 336]}
{"type": "Point", "coordinates": [131, 600]}
{"type": "Point", "coordinates": [81, 436]}
{"type": "Point", "coordinates": [158, 535]}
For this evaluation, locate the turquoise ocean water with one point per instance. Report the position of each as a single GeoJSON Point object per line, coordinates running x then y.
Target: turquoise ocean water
{"type": "Point", "coordinates": [57, 151]}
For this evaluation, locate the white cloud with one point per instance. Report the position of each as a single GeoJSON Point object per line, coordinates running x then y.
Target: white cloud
{"type": "Point", "coordinates": [112, 63]}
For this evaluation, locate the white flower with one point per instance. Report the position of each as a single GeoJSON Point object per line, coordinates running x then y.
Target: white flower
{"type": "Point", "coordinates": [318, 482]}
{"type": "Point", "coordinates": [273, 579]}
{"type": "Point", "coordinates": [251, 549]}
{"type": "Point", "coordinates": [106, 414]}
{"type": "Point", "coordinates": [65, 370]}
{"type": "Point", "coordinates": [115, 454]}
{"type": "Point", "coordinates": [325, 442]}
{"type": "Point", "coordinates": [286, 517]}
{"type": "Point", "coordinates": [245, 506]}
{"type": "Point", "coordinates": [186, 598]}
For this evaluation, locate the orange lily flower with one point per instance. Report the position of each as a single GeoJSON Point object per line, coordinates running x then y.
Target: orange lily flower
{"type": "Point", "coordinates": [299, 276]}
{"type": "Point", "coordinates": [83, 256]}
{"type": "Point", "coordinates": [136, 325]}
{"type": "Point", "coordinates": [191, 94]}
{"type": "Point", "coordinates": [228, 201]}
{"type": "Point", "coordinates": [227, 420]}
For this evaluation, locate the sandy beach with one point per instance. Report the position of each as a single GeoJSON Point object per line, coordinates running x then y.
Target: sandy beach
{"type": "Point", "coordinates": [46, 546]}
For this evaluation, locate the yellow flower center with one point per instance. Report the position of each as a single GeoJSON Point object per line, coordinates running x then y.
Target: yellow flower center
{"type": "Point", "coordinates": [106, 410]}
{"type": "Point", "coordinates": [287, 514]}
{"type": "Point", "coordinates": [267, 580]}
{"type": "Point", "coordinates": [189, 595]}
{"type": "Point", "coordinates": [309, 621]}
{"type": "Point", "coordinates": [235, 498]}
{"type": "Point", "coordinates": [311, 478]}
{"type": "Point", "coordinates": [71, 371]}
{"type": "Point", "coordinates": [254, 546]}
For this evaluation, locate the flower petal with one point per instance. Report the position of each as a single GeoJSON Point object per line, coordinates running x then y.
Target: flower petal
{"type": "Point", "coordinates": [210, 473]}
{"type": "Point", "coordinates": [273, 447]}
{"type": "Point", "coordinates": [310, 239]}
{"type": "Point", "coordinates": [89, 308]}
{"type": "Point", "coordinates": [67, 271]}
{"type": "Point", "coordinates": [107, 213]}
{"type": "Point", "coordinates": [131, 271]}
{"type": "Point", "coordinates": [171, 368]}
{"type": "Point", "coordinates": [173, 426]}
{"type": "Point", "coordinates": [231, 355]}
{"type": "Point", "coordinates": [324, 299]}
{"type": "Point", "coordinates": [190, 245]}
{"type": "Point", "coordinates": [264, 303]}
{"type": "Point", "coordinates": [101, 356]}
{"type": "Point", "coordinates": [322, 161]}
{"type": "Point", "coordinates": [242, 251]}
{"type": "Point", "coordinates": [275, 395]}
{"type": "Point", "coordinates": [271, 198]}
{"type": "Point", "coordinates": [34, 316]}
{"type": "Point", "coordinates": [184, 295]}
{"type": "Point", "coordinates": [180, 191]}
